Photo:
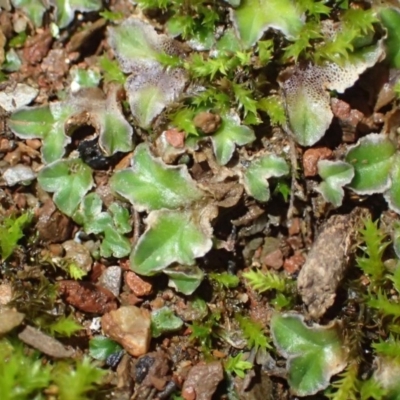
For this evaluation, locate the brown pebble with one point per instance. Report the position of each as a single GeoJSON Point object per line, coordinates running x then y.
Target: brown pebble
{"type": "Point", "coordinates": [157, 303]}
{"type": "Point", "coordinates": [9, 320]}
{"type": "Point", "coordinates": [4, 145]}
{"type": "Point", "coordinates": [189, 393]}
{"type": "Point", "coordinates": [295, 242]}
{"type": "Point", "coordinates": [218, 354]}
{"type": "Point", "coordinates": [44, 343]}
{"type": "Point", "coordinates": [204, 379]}
{"type": "Point", "coordinates": [52, 225]}
{"type": "Point", "coordinates": [327, 260]}
{"type": "Point", "coordinates": [36, 47]}
{"type": "Point", "coordinates": [175, 138]}
{"type": "Point", "coordinates": [28, 151]}
{"type": "Point", "coordinates": [56, 250]}
{"type": "Point", "coordinates": [207, 122]}
{"type": "Point", "coordinates": [87, 297]}
{"type": "Point", "coordinates": [274, 259]}
{"type": "Point", "coordinates": [345, 113]}
{"type": "Point", "coordinates": [13, 157]}
{"type": "Point", "coordinates": [26, 160]}
{"type": "Point", "coordinates": [294, 263]}
{"type": "Point", "coordinates": [138, 286]}
{"type": "Point", "coordinates": [20, 200]}
{"type": "Point", "coordinates": [55, 67]}
{"type": "Point", "coordinates": [5, 293]}
{"type": "Point", "coordinates": [294, 228]}
{"type": "Point", "coordinates": [6, 23]}
{"type": "Point", "coordinates": [311, 158]}
{"type": "Point", "coordinates": [97, 271]}
{"type": "Point", "coordinates": [78, 254]}
{"type": "Point", "coordinates": [34, 144]}
{"type": "Point", "coordinates": [130, 327]}
{"type": "Point", "coordinates": [129, 299]}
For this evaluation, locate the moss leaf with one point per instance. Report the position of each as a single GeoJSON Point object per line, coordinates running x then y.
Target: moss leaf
{"type": "Point", "coordinates": [150, 91]}
{"type": "Point", "coordinates": [335, 175]}
{"type": "Point", "coordinates": [137, 45]}
{"type": "Point", "coordinates": [164, 320]}
{"type": "Point", "coordinates": [114, 243]}
{"type": "Point", "coordinates": [305, 91]}
{"type": "Point", "coordinates": [115, 132]}
{"type": "Point", "coordinates": [392, 195]}
{"type": "Point", "coordinates": [230, 134]}
{"type": "Point", "coordinates": [184, 278]}
{"type": "Point", "coordinates": [372, 159]}
{"type": "Point", "coordinates": [66, 9]}
{"type": "Point", "coordinates": [33, 9]}
{"type": "Point", "coordinates": [151, 185]}
{"type": "Point", "coordinates": [256, 175]}
{"type": "Point", "coordinates": [70, 180]}
{"type": "Point", "coordinates": [253, 17]}
{"type": "Point", "coordinates": [171, 236]}
{"type": "Point", "coordinates": [390, 18]}
{"type": "Point", "coordinates": [101, 347]}
{"type": "Point", "coordinates": [112, 224]}
{"type": "Point", "coordinates": [45, 123]}
{"type": "Point", "coordinates": [314, 354]}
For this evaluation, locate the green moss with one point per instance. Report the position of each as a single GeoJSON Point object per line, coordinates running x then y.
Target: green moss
{"type": "Point", "coordinates": [11, 231]}
{"type": "Point", "coordinates": [25, 375]}
{"type": "Point", "coordinates": [371, 262]}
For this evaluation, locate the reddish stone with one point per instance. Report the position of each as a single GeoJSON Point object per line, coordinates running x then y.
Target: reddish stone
{"type": "Point", "coordinates": [274, 259]}
{"type": "Point", "coordinates": [294, 263]}
{"type": "Point", "coordinates": [138, 286]}
{"type": "Point", "coordinates": [175, 138]}
{"type": "Point", "coordinates": [88, 297]}
{"type": "Point", "coordinates": [53, 226]}
{"type": "Point", "coordinates": [344, 113]}
{"type": "Point", "coordinates": [189, 393]}
{"type": "Point", "coordinates": [37, 47]}
{"type": "Point", "coordinates": [294, 227]}
{"type": "Point", "coordinates": [97, 270]}
{"type": "Point", "coordinates": [311, 158]}
{"type": "Point", "coordinates": [203, 381]}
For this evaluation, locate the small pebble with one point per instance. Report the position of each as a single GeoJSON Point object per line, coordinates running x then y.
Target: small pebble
{"type": "Point", "coordinates": [202, 381]}
{"type": "Point", "coordinates": [5, 293]}
{"type": "Point", "coordinates": [311, 158]}
{"type": "Point", "coordinates": [56, 250]}
{"type": "Point", "coordinates": [34, 144]}
{"type": "Point", "coordinates": [4, 145]}
{"type": "Point", "coordinates": [13, 157]}
{"type": "Point", "coordinates": [18, 174]}
{"type": "Point", "coordinates": [207, 122]}
{"type": "Point", "coordinates": [138, 286]}
{"type": "Point", "coordinates": [79, 254]}
{"type": "Point", "coordinates": [294, 263]}
{"type": "Point", "coordinates": [111, 279]}
{"type": "Point", "coordinates": [175, 137]}
{"type": "Point", "coordinates": [10, 319]}
{"type": "Point", "coordinates": [130, 327]}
